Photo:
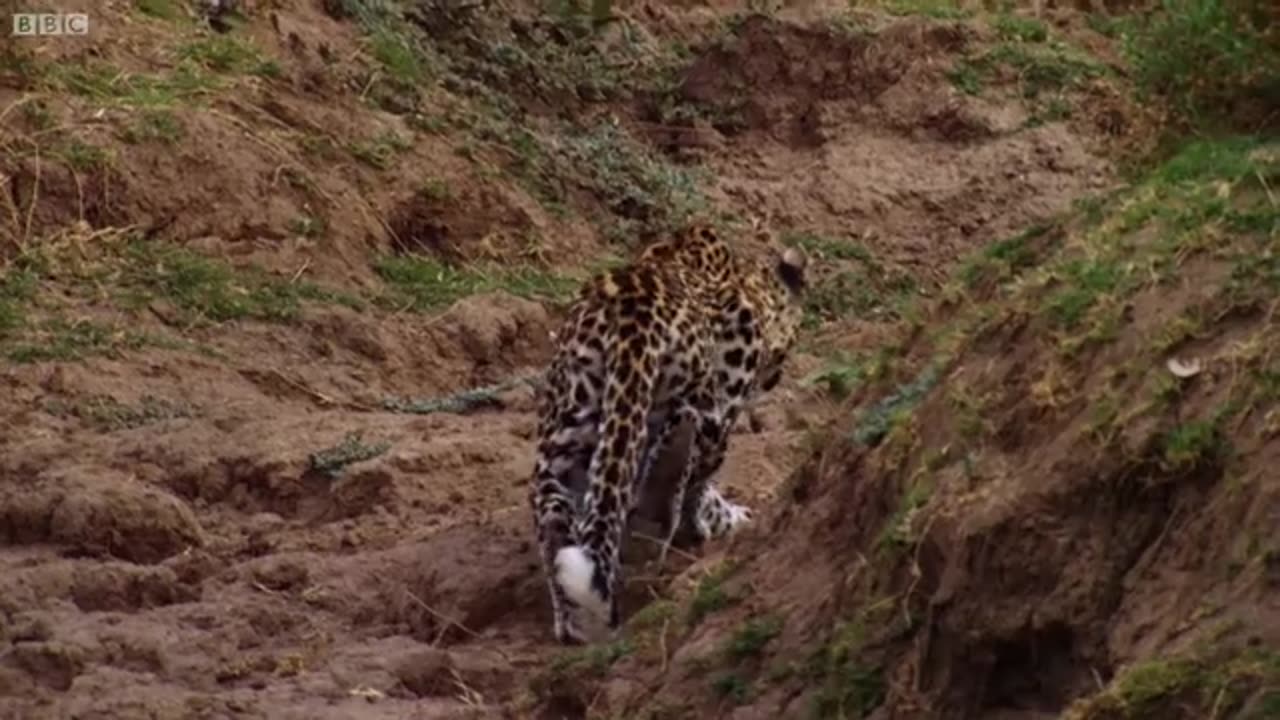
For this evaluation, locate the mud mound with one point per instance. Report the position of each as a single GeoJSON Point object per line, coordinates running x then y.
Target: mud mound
{"type": "Point", "coordinates": [91, 512]}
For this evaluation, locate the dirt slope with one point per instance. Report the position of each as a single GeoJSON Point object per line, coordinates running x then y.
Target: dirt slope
{"type": "Point", "coordinates": [276, 281]}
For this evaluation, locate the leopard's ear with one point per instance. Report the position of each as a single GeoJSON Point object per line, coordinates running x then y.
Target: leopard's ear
{"type": "Point", "coordinates": [791, 268]}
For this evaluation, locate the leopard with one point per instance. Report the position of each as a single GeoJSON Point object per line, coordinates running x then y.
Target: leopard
{"type": "Point", "coordinates": [686, 334]}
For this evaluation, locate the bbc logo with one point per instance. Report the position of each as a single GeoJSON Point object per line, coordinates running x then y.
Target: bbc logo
{"type": "Point", "coordinates": [50, 24]}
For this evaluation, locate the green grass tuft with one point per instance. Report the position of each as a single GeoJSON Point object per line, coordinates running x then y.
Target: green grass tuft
{"type": "Point", "coordinates": [206, 290]}
{"type": "Point", "coordinates": [428, 284]}
{"type": "Point", "coordinates": [1208, 57]}
{"type": "Point", "coordinates": [1022, 29]}
{"type": "Point", "coordinates": [351, 450]}
{"type": "Point", "coordinates": [228, 55]}
{"type": "Point", "coordinates": [749, 640]}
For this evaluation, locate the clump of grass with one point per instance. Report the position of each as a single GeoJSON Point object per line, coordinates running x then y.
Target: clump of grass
{"type": "Point", "coordinates": [829, 248]}
{"type": "Point", "coordinates": [428, 284]}
{"type": "Point", "coordinates": [58, 339]}
{"type": "Point", "coordinates": [1003, 259]}
{"type": "Point", "coordinates": [161, 9]}
{"type": "Point", "coordinates": [1084, 282]}
{"type": "Point", "coordinates": [842, 289]}
{"type": "Point", "coordinates": [1192, 444]}
{"type": "Point", "coordinates": [1042, 71]}
{"type": "Point", "coordinates": [936, 9]}
{"type": "Point", "coordinates": [750, 638]}
{"type": "Point", "coordinates": [968, 77]}
{"type": "Point", "coordinates": [709, 596]}
{"type": "Point", "coordinates": [840, 377]}
{"type": "Point", "coordinates": [107, 414]}
{"type": "Point", "coordinates": [352, 449]}
{"type": "Point", "coordinates": [1207, 57]}
{"type": "Point", "coordinates": [630, 180]}
{"type": "Point", "coordinates": [1142, 687]}
{"type": "Point", "coordinates": [1195, 683]}
{"type": "Point", "coordinates": [158, 125]}
{"type": "Point", "coordinates": [17, 288]}
{"type": "Point", "coordinates": [379, 151]}
{"type": "Point", "coordinates": [732, 687]}
{"type": "Point", "coordinates": [1022, 29]}
{"type": "Point", "coordinates": [592, 660]}
{"type": "Point", "coordinates": [229, 55]}
{"type": "Point", "coordinates": [896, 533]}
{"type": "Point", "coordinates": [106, 84]}
{"type": "Point", "coordinates": [1039, 69]}
{"type": "Point", "coordinates": [204, 290]}
{"type": "Point", "coordinates": [398, 55]}
{"type": "Point", "coordinates": [85, 156]}
{"type": "Point", "coordinates": [436, 189]}
{"type": "Point", "coordinates": [849, 688]}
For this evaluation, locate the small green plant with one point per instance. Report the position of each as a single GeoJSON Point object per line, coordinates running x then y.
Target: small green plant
{"type": "Point", "coordinates": [936, 9]}
{"type": "Point", "coordinates": [428, 284]}
{"type": "Point", "coordinates": [829, 248]}
{"type": "Point", "coordinates": [161, 9]}
{"type": "Point", "coordinates": [400, 58]}
{"type": "Point", "coordinates": [153, 124]}
{"type": "Point", "coordinates": [1052, 110]}
{"type": "Point", "coordinates": [840, 377]}
{"type": "Point", "coordinates": [750, 638]}
{"type": "Point", "coordinates": [593, 660]}
{"type": "Point", "coordinates": [732, 687]}
{"type": "Point", "coordinates": [58, 339]}
{"type": "Point", "coordinates": [84, 156]}
{"type": "Point", "coordinates": [709, 595]}
{"type": "Point", "coordinates": [1192, 444]}
{"type": "Point", "coordinates": [378, 151]}
{"type": "Point", "coordinates": [1143, 686]}
{"type": "Point", "coordinates": [967, 77]}
{"type": "Point", "coordinates": [1038, 69]}
{"type": "Point", "coordinates": [352, 449]}
{"type": "Point", "coordinates": [1004, 259]}
{"type": "Point", "coordinates": [1022, 29]}
{"type": "Point", "coordinates": [1109, 25]}
{"type": "Point", "coordinates": [107, 414]}
{"type": "Point", "coordinates": [17, 288]}
{"type": "Point", "coordinates": [896, 533]}
{"type": "Point", "coordinates": [436, 189]}
{"type": "Point", "coordinates": [651, 616]}
{"type": "Point", "coordinates": [851, 691]}
{"type": "Point", "coordinates": [1084, 282]}
{"type": "Point", "coordinates": [226, 54]}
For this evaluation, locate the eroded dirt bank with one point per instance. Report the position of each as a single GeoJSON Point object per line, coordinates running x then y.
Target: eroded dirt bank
{"type": "Point", "coordinates": [275, 284]}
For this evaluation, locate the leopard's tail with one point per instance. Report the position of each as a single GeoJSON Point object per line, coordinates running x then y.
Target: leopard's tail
{"type": "Point", "coordinates": [617, 455]}
{"type": "Point", "coordinates": [574, 570]}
